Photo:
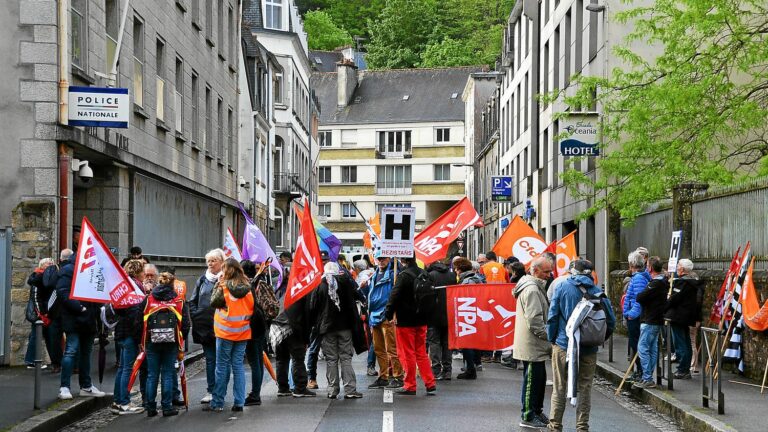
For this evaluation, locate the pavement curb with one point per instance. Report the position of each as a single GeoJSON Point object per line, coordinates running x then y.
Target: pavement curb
{"type": "Point", "coordinates": [690, 418]}
{"type": "Point", "coordinates": [62, 414]}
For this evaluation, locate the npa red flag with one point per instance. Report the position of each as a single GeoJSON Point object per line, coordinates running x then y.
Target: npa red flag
{"type": "Point", "coordinates": [98, 277]}
{"type": "Point", "coordinates": [432, 243]}
{"type": "Point", "coordinates": [720, 307]}
{"type": "Point", "coordinates": [307, 268]}
{"type": "Point", "coordinates": [481, 316]}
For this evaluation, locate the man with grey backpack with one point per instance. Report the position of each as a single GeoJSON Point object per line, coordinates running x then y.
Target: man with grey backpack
{"type": "Point", "coordinates": [580, 318]}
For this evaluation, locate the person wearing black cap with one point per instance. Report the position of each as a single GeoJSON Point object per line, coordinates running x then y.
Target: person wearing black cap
{"type": "Point", "coordinates": [136, 254]}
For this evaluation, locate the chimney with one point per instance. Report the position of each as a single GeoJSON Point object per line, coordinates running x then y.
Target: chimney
{"type": "Point", "coordinates": [346, 76]}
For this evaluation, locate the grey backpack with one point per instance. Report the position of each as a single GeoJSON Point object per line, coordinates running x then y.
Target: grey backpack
{"type": "Point", "coordinates": [594, 328]}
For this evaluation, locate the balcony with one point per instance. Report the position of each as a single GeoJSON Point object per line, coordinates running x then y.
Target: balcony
{"type": "Point", "coordinates": [288, 184]}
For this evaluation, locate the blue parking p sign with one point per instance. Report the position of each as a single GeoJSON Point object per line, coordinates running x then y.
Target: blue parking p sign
{"type": "Point", "coordinates": [501, 188]}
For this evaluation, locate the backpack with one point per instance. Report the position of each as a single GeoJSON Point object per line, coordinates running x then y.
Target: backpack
{"type": "Point", "coordinates": [594, 328]}
{"type": "Point", "coordinates": [264, 297]}
{"type": "Point", "coordinates": [424, 295]}
{"type": "Point", "coordinates": [162, 326]}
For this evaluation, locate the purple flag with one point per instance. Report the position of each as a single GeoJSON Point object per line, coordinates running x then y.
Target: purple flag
{"type": "Point", "coordinates": [256, 247]}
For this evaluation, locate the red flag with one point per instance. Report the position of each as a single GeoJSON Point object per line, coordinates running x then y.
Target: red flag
{"type": "Point", "coordinates": [519, 240]}
{"type": "Point", "coordinates": [307, 268]}
{"type": "Point", "coordinates": [481, 316]}
{"type": "Point", "coordinates": [719, 306]}
{"type": "Point", "coordinates": [432, 243]}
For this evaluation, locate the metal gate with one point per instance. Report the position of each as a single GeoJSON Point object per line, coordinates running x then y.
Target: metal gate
{"type": "Point", "coordinates": [6, 235]}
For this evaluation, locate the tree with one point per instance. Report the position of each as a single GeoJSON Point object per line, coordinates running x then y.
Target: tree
{"type": "Point", "coordinates": [448, 52]}
{"type": "Point", "coordinates": [322, 33]}
{"type": "Point", "coordinates": [697, 112]}
{"type": "Point", "coordinates": [400, 34]}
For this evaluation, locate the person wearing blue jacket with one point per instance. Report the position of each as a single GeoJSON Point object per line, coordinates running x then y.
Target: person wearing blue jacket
{"type": "Point", "coordinates": [567, 295]}
{"type": "Point", "coordinates": [384, 341]}
{"type": "Point", "coordinates": [632, 309]}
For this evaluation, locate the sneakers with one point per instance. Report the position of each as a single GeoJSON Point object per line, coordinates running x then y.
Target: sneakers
{"type": "Point", "coordinates": [372, 371]}
{"type": "Point", "coordinates": [395, 383]}
{"type": "Point", "coordinates": [479, 368]}
{"type": "Point", "coordinates": [174, 412]}
{"type": "Point", "coordinates": [312, 384]}
{"type": "Point", "coordinates": [206, 399]}
{"type": "Point", "coordinates": [457, 356]}
{"type": "Point", "coordinates": [467, 376]}
{"type": "Point", "coordinates": [252, 400]}
{"type": "Point", "coordinates": [32, 366]}
{"type": "Point", "coordinates": [178, 403]}
{"type": "Point", "coordinates": [64, 394]}
{"type": "Point", "coordinates": [403, 391]}
{"type": "Point", "coordinates": [542, 417]}
{"type": "Point", "coordinates": [534, 423]}
{"type": "Point", "coordinates": [236, 408]}
{"type": "Point", "coordinates": [92, 391]}
{"type": "Point", "coordinates": [443, 377]}
{"type": "Point", "coordinates": [284, 392]}
{"type": "Point", "coordinates": [353, 395]}
{"type": "Point", "coordinates": [152, 412]}
{"type": "Point", "coordinates": [431, 391]}
{"type": "Point", "coordinates": [209, 408]}
{"type": "Point", "coordinates": [380, 383]}
{"type": "Point", "coordinates": [125, 409]}
{"type": "Point", "coordinates": [681, 375]}
{"type": "Point", "coordinates": [644, 385]}
{"type": "Point", "coordinates": [333, 395]}
{"type": "Point", "coordinates": [304, 393]}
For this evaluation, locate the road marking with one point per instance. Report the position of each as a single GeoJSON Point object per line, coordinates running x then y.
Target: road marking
{"type": "Point", "coordinates": [388, 424]}
{"type": "Point", "coordinates": [388, 396]}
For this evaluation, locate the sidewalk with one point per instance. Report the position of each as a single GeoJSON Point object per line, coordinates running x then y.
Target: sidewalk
{"type": "Point", "coordinates": [743, 403]}
{"type": "Point", "coordinates": [18, 386]}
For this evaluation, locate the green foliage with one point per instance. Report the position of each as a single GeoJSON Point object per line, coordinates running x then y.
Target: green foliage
{"type": "Point", "coordinates": [400, 34]}
{"type": "Point", "coordinates": [448, 52]}
{"type": "Point", "coordinates": [697, 112]}
{"type": "Point", "coordinates": [322, 33]}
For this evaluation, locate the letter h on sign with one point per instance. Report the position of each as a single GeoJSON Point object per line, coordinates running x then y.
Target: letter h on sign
{"type": "Point", "coordinates": [403, 226]}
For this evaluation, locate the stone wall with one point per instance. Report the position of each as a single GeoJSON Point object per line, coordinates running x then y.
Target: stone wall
{"type": "Point", "coordinates": [33, 225]}
{"type": "Point", "coordinates": [755, 343]}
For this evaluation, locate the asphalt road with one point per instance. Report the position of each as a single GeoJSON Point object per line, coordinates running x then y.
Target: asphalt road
{"type": "Point", "coordinates": [491, 403]}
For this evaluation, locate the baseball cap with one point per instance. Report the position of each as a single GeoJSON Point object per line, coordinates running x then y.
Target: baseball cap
{"type": "Point", "coordinates": [324, 256]}
{"type": "Point", "coordinates": [581, 267]}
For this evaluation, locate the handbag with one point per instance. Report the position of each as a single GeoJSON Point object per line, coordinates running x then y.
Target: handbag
{"type": "Point", "coordinates": [266, 300]}
{"type": "Point", "coordinates": [31, 312]}
{"type": "Point", "coordinates": [359, 335]}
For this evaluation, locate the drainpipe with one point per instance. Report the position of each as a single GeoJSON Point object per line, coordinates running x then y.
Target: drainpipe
{"type": "Point", "coordinates": [63, 6]}
{"type": "Point", "coordinates": [64, 169]}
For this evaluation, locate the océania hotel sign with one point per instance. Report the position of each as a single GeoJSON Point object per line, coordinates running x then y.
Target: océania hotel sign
{"type": "Point", "coordinates": [98, 107]}
{"type": "Point", "coordinates": [581, 135]}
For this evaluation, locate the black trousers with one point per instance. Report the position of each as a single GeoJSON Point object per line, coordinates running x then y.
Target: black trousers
{"type": "Point", "coordinates": [292, 348]}
{"type": "Point", "coordinates": [534, 384]}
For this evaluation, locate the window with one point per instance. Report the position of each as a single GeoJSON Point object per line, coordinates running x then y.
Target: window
{"type": "Point", "coordinates": [195, 108]}
{"type": "Point", "coordinates": [526, 90]}
{"type": "Point", "coordinates": [220, 25]}
{"type": "Point", "coordinates": [442, 172]}
{"type": "Point", "coordinates": [138, 61]}
{"type": "Point", "coordinates": [545, 83]}
{"type": "Point", "coordinates": [324, 174]}
{"type": "Point", "coordinates": [393, 179]}
{"type": "Point", "coordinates": [208, 121]}
{"type": "Point", "coordinates": [112, 25]}
{"type": "Point", "coordinates": [160, 89]}
{"type": "Point", "coordinates": [593, 17]}
{"type": "Point", "coordinates": [348, 211]}
{"type": "Point", "coordinates": [230, 138]}
{"type": "Point", "coordinates": [278, 88]}
{"type": "Point", "coordinates": [579, 41]}
{"type": "Point", "coordinates": [443, 135]}
{"type": "Point", "coordinates": [394, 143]}
{"type": "Point", "coordinates": [232, 34]}
{"type": "Point", "coordinates": [325, 138]}
{"type": "Point", "coordinates": [220, 130]}
{"type": "Point", "coordinates": [349, 174]}
{"type": "Point", "coordinates": [78, 18]}
{"type": "Point", "coordinates": [556, 60]}
{"type": "Point", "coordinates": [567, 48]}
{"type": "Point", "coordinates": [195, 9]}
{"type": "Point", "coordinates": [209, 21]}
{"type": "Point", "coordinates": [178, 95]}
{"type": "Point", "coordinates": [380, 206]}
{"type": "Point", "coordinates": [274, 15]}
{"type": "Point", "coordinates": [349, 137]}
{"type": "Point", "coordinates": [324, 210]}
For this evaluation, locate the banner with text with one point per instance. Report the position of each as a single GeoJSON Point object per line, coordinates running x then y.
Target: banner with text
{"type": "Point", "coordinates": [481, 316]}
{"type": "Point", "coordinates": [398, 225]}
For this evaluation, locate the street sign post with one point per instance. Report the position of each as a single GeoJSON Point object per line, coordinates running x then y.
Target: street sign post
{"type": "Point", "coordinates": [674, 251]}
{"type": "Point", "coordinates": [398, 228]}
{"type": "Point", "coordinates": [582, 130]}
{"type": "Point", "coordinates": [501, 188]}
{"type": "Point", "coordinates": [99, 107]}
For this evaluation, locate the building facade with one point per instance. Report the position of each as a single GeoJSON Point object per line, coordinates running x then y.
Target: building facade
{"type": "Point", "coordinates": [167, 182]}
{"type": "Point", "coordinates": [277, 26]}
{"type": "Point", "coordinates": [389, 138]}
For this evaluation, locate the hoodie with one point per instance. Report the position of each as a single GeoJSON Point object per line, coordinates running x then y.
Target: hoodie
{"type": "Point", "coordinates": [684, 305]}
{"type": "Point", "coordinates": [443, 276]}
{"type": "Point", "coordinates": [531, 342]}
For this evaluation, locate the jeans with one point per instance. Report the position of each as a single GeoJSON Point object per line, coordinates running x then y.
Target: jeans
{"type": "Point", "coordinates": [633, 329]}
{"type": "Point", "coordinates": [160, 363]}
{"type": "Point", "coordinates": [255, 353]}
{"type": "Point", "coordinates": [292, 348]}
{"type": "Point", "coordinates": [411, 343]}
{"type": "Point", "coordinates": [210, 366]}
{"type": "Point", "coordinates": [338, 350]}
{"type": "Point", "coordinates": [648, 349]}
{"type": "Point", "coordinates": [128, 353]}
{"type": "Point", "coordinates": [371, 351]}
{"type": "Point", "coordinates": [55, 336]}
{"type": "Point", "coordinates": [439, 354]}
{"type": "Point", "coordinates": [534, 384]}
{"type": "Point", "coordinates": [681, 336]}
{"type": "Point", "coordinates": [229, 359]}
{"type": "Point", "coordinates": [313, 352]}
{"type": "Point", "coordinates": [29, 357]}
{"type": "Point", "coordinates": [77, 343]}
{"type": "Point", "coordinates": [587, 366]}
{"type": "Point", "coordinates": [385, 347]}
{"type": "Point", "coordinates": [469, 360]}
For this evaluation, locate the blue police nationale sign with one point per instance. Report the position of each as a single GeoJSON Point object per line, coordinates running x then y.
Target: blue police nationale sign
{"type": "Point", "coordinates": [99, 107]}
{"type": "Point", "coordinates": [501, 188]}
{"type": "Point", "coordinates": [582, 131]}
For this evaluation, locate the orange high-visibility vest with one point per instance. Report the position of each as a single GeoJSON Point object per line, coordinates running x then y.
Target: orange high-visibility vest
{"type": "Point", "coordinates": [233, 323]}
{"type": "Point", "coordinates": [494, 272]}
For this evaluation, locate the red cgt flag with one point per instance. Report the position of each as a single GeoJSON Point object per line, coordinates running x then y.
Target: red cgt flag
{"type": "Point", "coordinates": [481, 316]}
{"type": "Point", "coordinates": [307, 268]}
{"type": "Point", "coordinates": [432, 243]}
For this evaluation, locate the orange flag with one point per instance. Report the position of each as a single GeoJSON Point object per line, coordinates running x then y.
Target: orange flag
{"type": "Point", "coordinates": [519, 240]}
{"type": "Point", "coordinates": [565, 251]}
{"type": "Point", "coordinates": [755, 317]}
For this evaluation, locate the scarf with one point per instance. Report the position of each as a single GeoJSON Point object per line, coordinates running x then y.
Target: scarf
{"type": "Point", "coordinates": [572, 354]}
{"type": "Point", "coordinates": [331, 270]}
{"type": "Point", "coordinates": [212, 277]}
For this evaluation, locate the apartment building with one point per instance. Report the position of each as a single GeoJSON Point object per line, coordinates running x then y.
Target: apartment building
{"type": "Point", "coordinates": [389, 138]}
{"type": "Point", "coordinates": [277, 26]}
{"type": "Point", "coordinates": [167, 182]}
{"type": "Point", "coordinates": [545, 44]}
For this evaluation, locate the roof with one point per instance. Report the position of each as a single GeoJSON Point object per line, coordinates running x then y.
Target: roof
{"type": "Point", "coordinates": [396, 96]}
{"type": "Point", "coordinates": [252, 14]}
{"type": "Point", "coordinates": [325, 61]}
